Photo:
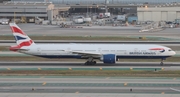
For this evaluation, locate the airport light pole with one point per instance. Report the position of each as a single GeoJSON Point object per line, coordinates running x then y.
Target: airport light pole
{"type": "Point", "coordinates": [96, 7]}
{"type": "Point", "coordinates": [14, 16]}
{"type": "Point", "coordinates": [87, 10]}
{"type": "Point", "coordinates": [106, 3]}
{"type": "Point", "coordinates": [95, 10]}
{"type": "Point", "coordinates": [90, 10]}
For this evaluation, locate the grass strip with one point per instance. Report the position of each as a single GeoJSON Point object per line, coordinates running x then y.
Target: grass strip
{"type": "Point", "coordinates": [95, 73]}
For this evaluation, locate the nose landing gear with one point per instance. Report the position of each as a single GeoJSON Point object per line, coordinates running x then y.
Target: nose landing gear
{"type": "Point", "coordinates": [162, 61]}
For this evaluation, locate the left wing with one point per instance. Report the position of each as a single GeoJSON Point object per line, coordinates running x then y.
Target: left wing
{"type": "Point", "coordinates": [86, 53]}
{"type": "Point", "coordinates": [83, 53]}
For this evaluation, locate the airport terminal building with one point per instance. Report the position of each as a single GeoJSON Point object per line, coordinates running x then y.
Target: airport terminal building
{"type": "Point", "coordinates": [159, 13]}
{"type": "Point", "coordinates": [28, 10]}
{"type": "Point", "coordinates": [102, 1]}
{"type": "Point", "coordinates": [48, 9]}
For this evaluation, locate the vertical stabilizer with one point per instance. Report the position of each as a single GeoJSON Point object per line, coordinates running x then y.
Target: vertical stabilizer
{"type": "Point", "coordinates": [21, 38]}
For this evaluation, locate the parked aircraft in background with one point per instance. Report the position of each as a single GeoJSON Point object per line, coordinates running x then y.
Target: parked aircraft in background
{"type": "Point", "coordinates": [108, 53]}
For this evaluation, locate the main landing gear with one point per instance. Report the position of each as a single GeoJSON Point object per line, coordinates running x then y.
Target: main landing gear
{"type": "Point", "coordinates": [162, 61]}
{"type": "Point", "coordinates": [90, 61]}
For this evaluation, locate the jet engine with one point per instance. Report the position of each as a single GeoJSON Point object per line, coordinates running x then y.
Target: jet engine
{"type": "Point", "coordinates": [109, 58]}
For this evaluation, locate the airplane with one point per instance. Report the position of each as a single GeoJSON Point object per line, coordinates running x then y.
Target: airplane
{"type": "Point", "coordinates": [175, 89]}
{"type": "Point", "coordinates": [107, 53]}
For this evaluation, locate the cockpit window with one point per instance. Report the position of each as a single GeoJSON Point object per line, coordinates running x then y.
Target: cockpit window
{"type": "Point", "coordinates": [170, 50]}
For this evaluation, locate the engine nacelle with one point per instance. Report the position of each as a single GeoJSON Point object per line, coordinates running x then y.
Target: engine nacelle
{"type": "Point", "coordinates": [108, 58]}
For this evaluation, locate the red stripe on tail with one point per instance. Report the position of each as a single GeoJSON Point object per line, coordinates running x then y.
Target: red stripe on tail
{"type": "Point", "coordinates": [17, 30]}
{"type": "Point", "coordinates": [26, 43]}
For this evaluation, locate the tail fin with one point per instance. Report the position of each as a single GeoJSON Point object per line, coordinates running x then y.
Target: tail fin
{"type": "Point", "coordinates": [21, 38]}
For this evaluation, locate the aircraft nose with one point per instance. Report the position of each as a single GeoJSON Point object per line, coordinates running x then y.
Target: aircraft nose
{"type": "Point", "coordinates": [173, 52]}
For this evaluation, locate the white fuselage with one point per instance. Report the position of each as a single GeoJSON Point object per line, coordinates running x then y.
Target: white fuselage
{"type": "Point", "coordinates": [96, 50]}
{"type": "Point", "coordinates": [108, 53]}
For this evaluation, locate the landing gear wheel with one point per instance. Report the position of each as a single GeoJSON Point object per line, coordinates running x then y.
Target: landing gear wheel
{"type": "Point", "coordinates": [161, 63]}
{"type": "Point", "coordinates": [94, 62]}
{"type": "Point", "coordinates": [90, 63]}
{"type": "Point", "coordinates": [87, 63]}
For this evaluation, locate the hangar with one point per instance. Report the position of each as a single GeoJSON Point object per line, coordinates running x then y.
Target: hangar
{"type": "Point", "coordinates": [29, 10]}
{"type": "Point", "coordinates": [158, 13]}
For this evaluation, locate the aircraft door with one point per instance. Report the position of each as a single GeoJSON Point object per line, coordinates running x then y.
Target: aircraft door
{"type": "Point", "coordinates": [135, 50]}
{"type": "Point", "coordinates": [99, 50]}
{"type": "Point", "coordinates": [125, 52]}
{"type": "Point", "coordinates": [38, 50]}
{"type": "Point", "coordinates": [68, 50]}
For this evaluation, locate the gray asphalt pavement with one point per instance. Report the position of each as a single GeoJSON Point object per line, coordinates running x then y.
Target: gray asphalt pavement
{"type": "Point", "coordinates": [51, 65]}
{"type": "Point", "coordinates": [74, 86]}
{"type": "Point", "coordinates": [32, 29]}
{"type": "Point", "coordinates": [77, 94]}
{"type": "Point", "coordinates": [83, 84]}
{"type": "Point", "coordinates": [89, 79]}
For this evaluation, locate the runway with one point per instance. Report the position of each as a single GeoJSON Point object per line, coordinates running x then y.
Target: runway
{"type": "Point", "coordinates": [85, 95]}
{"type": "Point", "coordinates": [84, 84]}
{"type": "Point", "coordinates": [89, 86]}
{"type": "Point", "coordinates": [55, 65]}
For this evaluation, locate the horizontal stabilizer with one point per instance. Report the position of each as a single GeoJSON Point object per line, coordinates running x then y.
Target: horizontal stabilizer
{"type": "Point", "coordinates": [17, 48]}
